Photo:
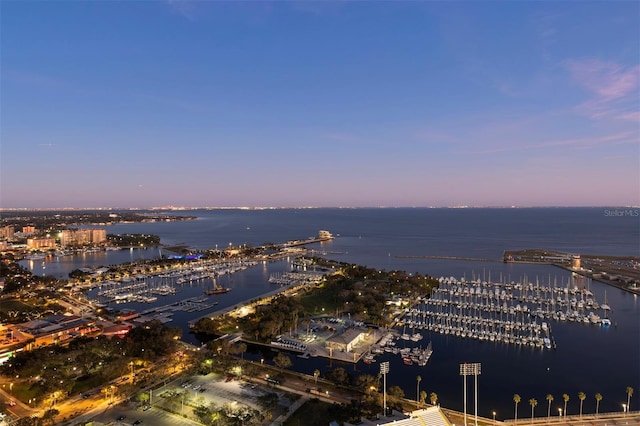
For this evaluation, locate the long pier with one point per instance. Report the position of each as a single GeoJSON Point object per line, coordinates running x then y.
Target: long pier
{"type": "Point", "coordinates": [473, 259]}
{"type": "Point", "coordinates": [622, 272]}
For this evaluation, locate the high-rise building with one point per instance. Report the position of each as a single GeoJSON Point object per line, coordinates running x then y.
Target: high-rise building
{"type": "Point", "coordinates": [67, 237]}
{"type": "Point", "coordinates": [82, 236]}
{"type": "Point", "coordinates": [98, 235]}
{"type": "Point", "coordinates": [41, 243]}
{"type": "Point", "coordinates": [7, 232]}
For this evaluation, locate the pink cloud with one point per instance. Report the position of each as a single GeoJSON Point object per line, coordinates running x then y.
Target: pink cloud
{"type": "Point", "coordinates": [613, 88]}
{"type": "Point", "coordinates": [605, 79]}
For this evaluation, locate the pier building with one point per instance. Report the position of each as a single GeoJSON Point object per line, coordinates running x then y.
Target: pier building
{"type": "Point", "coordinates": [347, 340]}
{"type": "Point", "coordinates": [575, 262]}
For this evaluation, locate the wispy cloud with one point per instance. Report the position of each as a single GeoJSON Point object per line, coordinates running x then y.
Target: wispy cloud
{"type": "Point", "coordinates": [622, 138]}
{"type": "Point", "coordinates": [613, 88]}
{"type": "Point", "coordinates": [545, 26]}
{"type": "Point", "coordinates": [184, 8]}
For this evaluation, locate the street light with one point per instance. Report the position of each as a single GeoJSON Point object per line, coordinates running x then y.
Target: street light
{"type": "Point", "coordinates": [559, 412]}
{"type": "Point", "coordinates": [494, 416]}
{"type": "Point", "coordinates": [624, 409]}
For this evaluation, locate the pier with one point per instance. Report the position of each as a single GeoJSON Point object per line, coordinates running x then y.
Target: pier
{"type": "Point", "coordinates": [622, 272]}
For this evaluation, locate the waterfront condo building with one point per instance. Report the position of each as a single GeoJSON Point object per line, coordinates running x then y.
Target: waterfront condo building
{"type": "Point", "coordinates": [41, 243]}
{"type": "Point", "coordinates": [82, 236]}
{"type": "Point", "coordinates": [7, 232]}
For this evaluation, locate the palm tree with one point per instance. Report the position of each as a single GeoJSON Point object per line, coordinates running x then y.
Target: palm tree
{"type": "Point", "coordinates": [242, 348]}
{"type": "Point", "coordinates": [629, 393]}
{"type": "Point", "coordinates": [549, 398]}
{"type": "Point", "coordinates": [418, 379]}
{"type": "Point", "coordinates": [598, 399]}
{"type": "Point", "coordinates": [516, 399]}
{"type": "Point", "coordinates": [533, 402]}
{"type": "Point", "coordinates": [423, 397]}
{"type": "Point", "coordinates": [565, 397]}
{"type": "Point", "coordinates": [582, 397]}
{"type": "Point", "coordinates": [433, 397]}
{"type": "Point", "coordinates": [316, 373]}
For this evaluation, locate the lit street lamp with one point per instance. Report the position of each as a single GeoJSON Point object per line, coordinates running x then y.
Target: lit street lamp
{"type": "Point", "coordinates": [494, 416]}
{"type": "Point", "coordinates": [559, 412]}
{"type": "Point", "coordinates": [624, 409]}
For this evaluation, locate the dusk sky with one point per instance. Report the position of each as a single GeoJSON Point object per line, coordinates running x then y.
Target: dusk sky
{"type": "Point", "coordinates": [409, 103]}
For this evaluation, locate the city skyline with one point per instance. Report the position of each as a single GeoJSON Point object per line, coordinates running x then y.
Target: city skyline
{"type": "Point", "coordinates": [323, 104]}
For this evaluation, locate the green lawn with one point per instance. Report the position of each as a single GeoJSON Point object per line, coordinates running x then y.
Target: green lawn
{"type": "Point", "coordinates": [322, 297]}
{"type": "Point", "coordinates": [14, 305]}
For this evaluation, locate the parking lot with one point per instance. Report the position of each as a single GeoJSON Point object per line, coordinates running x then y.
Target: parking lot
{"type": "Point", "coordinates": [173, 403]}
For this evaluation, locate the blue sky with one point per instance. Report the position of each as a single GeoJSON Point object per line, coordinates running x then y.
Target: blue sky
{"type": "Point", "coordinates": [151, 103]}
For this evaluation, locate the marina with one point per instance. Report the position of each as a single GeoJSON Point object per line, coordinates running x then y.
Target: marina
{"type": "Point", "coordinates": [145, 288]}
{"type": "Point", "coordinates": [514, 313]}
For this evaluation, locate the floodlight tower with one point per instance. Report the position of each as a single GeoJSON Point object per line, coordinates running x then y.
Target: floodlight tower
{"type": "Point", "coordinates": [467, 369]}
{"type": "Point", "coordinates": [384, 369]}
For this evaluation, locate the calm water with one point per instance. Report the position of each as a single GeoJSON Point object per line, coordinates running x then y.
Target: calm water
{"type": "Point", "coordinates": [588, 358]}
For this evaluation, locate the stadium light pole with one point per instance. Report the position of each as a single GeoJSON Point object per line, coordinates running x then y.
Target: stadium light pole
{"type": "Point", "coordinates": [384, 369]}
{"type": "Point", "coordinates": [467, 369]}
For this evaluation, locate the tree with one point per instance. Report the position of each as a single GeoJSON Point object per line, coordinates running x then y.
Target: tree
{"type": "Point", "coordinates": [50, 415]}
{"type": "Point", "coordinates": [581, 397]}
{"type": "Point", "coordinates": [418, 380]}
{"type": "Point", "coordinates": [423, 397]}
{"type": "Point", "coordinates": [565, 397]}
{"type": "Point", "coordinates": [433, 397]}
{"type": "Point", "coordinates": [282, 361]}
{"type": "Point", "coordinates": [395, 392]}
{"type": "Point", "coordinates": [242, 348]}
{"type": "Point", "coordinates": [316, 374]}
{"type": "Point", "coordinates": [338, 376]}
{"type": "Point", "coordinates": [516, 399]}
{"type": "Point", "coordinates": [26, 421]}
{"type": "Point", "coordinates": [629, 393]}
{"type": "Point", "coordinates": [203, 413]}
{"type": "Point", "coordinates": [533, 403]}
{"type": "Point", "coordinates": [143, 397]}
{"type": "Point", "coordinates": [598, 399]}
{"type": "Point", "coordinates": [367, 383]}
{"type": "Point", "coordinates": [549, 400]}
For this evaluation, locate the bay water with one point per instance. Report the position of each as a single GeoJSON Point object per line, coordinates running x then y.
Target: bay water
{"type": "Point", "coordinates": [588, 358]}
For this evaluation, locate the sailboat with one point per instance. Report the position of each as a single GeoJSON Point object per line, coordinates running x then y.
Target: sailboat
{"type": "Point", "coordinates": [605, 307]}
{"type": "Point", "coordinates": [217, 288]}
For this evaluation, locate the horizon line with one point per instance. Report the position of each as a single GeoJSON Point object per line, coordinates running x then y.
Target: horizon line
{"type": "Point", "coordinates": [185, 208]}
